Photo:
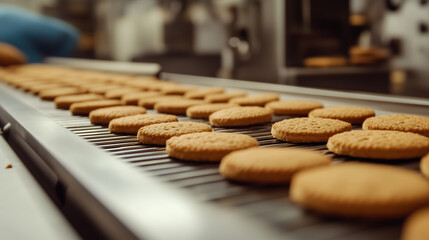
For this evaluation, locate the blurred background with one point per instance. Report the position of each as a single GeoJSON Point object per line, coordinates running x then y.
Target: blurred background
{"type": "Point", "coordinates": [377, 46]}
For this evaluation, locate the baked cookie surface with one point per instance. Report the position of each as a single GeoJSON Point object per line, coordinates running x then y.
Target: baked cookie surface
{"type": "Point", "coordinates": [307, 130]}
{"type": "Point", "coordinates": [207, 146]}
{"type": "Point", "coordinates": [52, 93]}
{"type": "Point", "coordinates": [178, 106]}
{"type": "Point", "coordinates": [105, 115]}
{"type": "Point", "coordinates": [360, 190]}
{"type": "Point", "coordinates": [416, 225]}
{"type": "Point", "coordinates": [293, 107]}
{"type": "Point", "coordinates": [223, 97]}
{"type": "Point", "coordinates": [399, 122]}
{"type": "Point", "coordinates": [149, 102]}
{"type": "Point", "coordinates": [158, 134]}
{"type": "Point", "coordinates": [351, 114]}
{"type": "Point", "coordinates": [201, 93]}
{"type": "Point", "coordinates": [424, 165]}
{"type": "Point", "coordinates": [379, 144]}
{"type": "Point", "coordinates": [132, 124]}
{"type": "Point", "coordinates": [269, 165]}
{"type": "Point", "coordinates": [133, 97]}
{"type": "Point", "coordinates": [203, 111]}
{"type": "Point", "coordinates": [117, 93]}
{"type": "Point", "coordinates": [256, 100]}
{"type": "Point", "coordinates": [64, 102]}
{"type": "Point", "coordinates": [240, 116]}
{"type": "Point", "coordinates": [84, 108]}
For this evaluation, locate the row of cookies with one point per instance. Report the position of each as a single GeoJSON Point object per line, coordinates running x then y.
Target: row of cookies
{"type": "Point", "coordinates": [179, 148]}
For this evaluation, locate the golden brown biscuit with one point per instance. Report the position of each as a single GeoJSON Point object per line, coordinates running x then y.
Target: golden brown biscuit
{"type": "Point", "coordinates": [293, 107]}
{"type": "Point", "coordinates": [105, 115]}
{"type": "Point", "coordinates": [424, 165]}
{"type": "Point", "coordinates": [205, 110]}
{"type": "Point", "coordinates": [349, 114]}
{"type": "Point", "coordinates": [201, 93]}
{"type": "Point", "coordinates": [178, 106]}
{"type": "Point", "coordinates": [133, 97]}
{"type": "Point", "coordinates": [307, 130]}
{"type": "Point", "coordinates": [52, 93]}
{"type": "Point", "coordinates": [325, 61]}
{"type": "Point", "coordinates": [416, 226]}
{"type": "Point", "coordinates": [149, 102]}
{"type": "Point", "coordinates": [177, 90]}
{"type": "Point", "coordinates": [360, 190]}
{"type": "Point", "coordinates": [132, 124]}
{"type": "Point", "coordinates": [399, 122]}
{"type": "Point", "coordinates": [158, 134]}
{"type": "Point", "coordinates": [103, 88]}
{"type": "Point", "coordinates": [141, 83]}
{"type": "Point", "coordinates": [240, 116]}
{"type": "Point", "coordinates": [64, 102]}
{"type": "Point", "coordinates": [157, 86]}
{"type": "Point", "coordinates": [269, 165]}
{"type": "Point", "coordinates": [379, 144]}
{"type": "Point", "coordinates": [207, 146]}
{"type": "Point", "coordinates": [117, 93]}
{"type": "Point", "coordinates": [36, 88]}
{"type": "Point", "coordinates": [10, 55]}
{"type": "Point", "coordinates": [84, 108]}
{"type": "Point", "coordinates": [256, 100]}
{"type": "Point", "coordinates": [223, 97]}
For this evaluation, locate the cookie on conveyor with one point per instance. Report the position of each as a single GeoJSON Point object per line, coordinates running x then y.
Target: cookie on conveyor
{"type": "Point", "coordinates": [223, 97]}
{"type": "Point", "coordinates": [379, 144]}
{"type": "Point", "coordinates": [133, 97]}
{"type": "Point", "coordinates": [351, 114]}
{"type": "Point", "coordinates": [424, 165]}
{"type": "Point", "coordinates": [240, 116]}
{"type": "Point", "coordinates": [205, 110]}
{"type": "Point", "coordinates": [64, 102]}
{"type": "Point", "coordinates": [293, 107]}
{"type": "Point", "coordinates": [102, 89]}
{"type": "Point", "coordinates": [158, 134]}
{"type": "Point", "coordinates": [177, 90]}
{"type": "Point", "coordinates": [117, 93]}
{"type": "Point", "coordinates": [269, 165]}
{"type": "Point", "coordinates": [308, 130]}
{"type": "Point", "coordinates": [84, 108]}
{"type": "Point", "coordinates": [399, 122]}
{"type": "Point", "coordinates": [132, 124]}
{"type": "Point", "coordinates": [105, 115]}
{"type": "Point", "coordinates": [149, 102]}
{"type": "Point", "coordinates": [201, 93]}
{"type": "Point", "coordinates": [256, 100]}
{"type": "Point", "coordinates": [416, 225]}
{"type": "Point", "coordinates": [178, 106]}
{"type": "Point", "coordinates": [360, 190]}
{"type": "Point", "coordinates": [36, 88]}
{"type": "Point", "coordinates": [52, 93]}
{"type": "Point", "coordinates": [207, 146]}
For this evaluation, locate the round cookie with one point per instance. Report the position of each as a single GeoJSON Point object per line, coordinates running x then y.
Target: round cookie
{"type": "Point", "coordinates": [240, 116]}
{"type": "Point", "coordinates": [132, 124]}
{"type": "Point", "coordinates": [178, 106]}
{"type": "Point", "coordinates": [205, 110]}
{"type": "Point", "coordinates": [416, 226]}
{"type": "Point", "coordinates": [207, 146]}
{"type": "Point", "coordinates": [102, 89]}
{"type": "Point", "coordinates": [51, 94]}
{"type": "Point", "coordinates": [307, 130]}
{"type": "Point", "coordinates": [399, 122]}
{"type": "Point", "coordinates": [379, 144]}
{"type": "Point", "coordinates": [149, 102]}
{"type": "Point", "coordinates": [64, 102]}
{"type": "Point", "coordinates": [158, 134]}
{"type": "Point", "coordinates": [349, 114]}
{"type": "Point", "coordinates": [360, 190]}
{"type": "Point", "coordinates": [256, 100]}
{"type": "Point", "coordinates": [84, 108]}
{"type": "Point", "coordinates": [269, 165]}
{"type": "Point", "coordinates": [201, 93]}
{"type": "Point", "coordinates": [293, 107]}
{"type": "Point", "coordinates": [223, 97]}
{"type": "Point", "coordinates": [177, 90]}
{"type": "Point", "coordinates": [36, 88]}
{"type": "Point", "coordinates": [105, 115]}
{"type": "Point", "coordinates": [424, 165]}
{"type": "Point", "coordinates": [133, 97]}
{"type": "Point", "coordinates": [117, 93]}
